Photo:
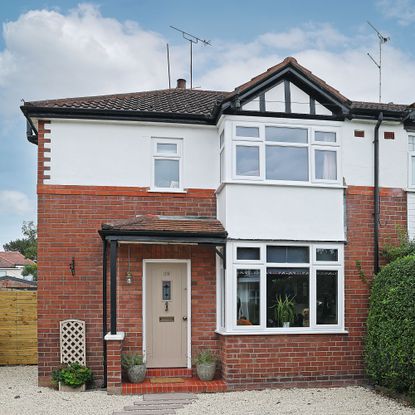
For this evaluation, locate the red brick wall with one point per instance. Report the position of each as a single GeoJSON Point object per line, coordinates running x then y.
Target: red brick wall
{"type": "Point", "coordinates": [304, 360]}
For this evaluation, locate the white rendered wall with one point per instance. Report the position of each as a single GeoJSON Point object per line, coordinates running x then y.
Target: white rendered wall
{"type": "Point", "coordinates": [282, 212]}
{"type": "Point", "coordinates": [300, 101]}
{"type": "Point", "coordinates": [275, 99]}
{"type": "Point", "coordinates": [120, 154]}
{"type": "Point", "coordinates": [411, 215]}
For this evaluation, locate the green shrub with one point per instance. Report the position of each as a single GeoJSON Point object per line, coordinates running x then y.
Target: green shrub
{"type": "Point", "coordinates": [73, 375]}
{"type": "Point", "coordinates": [405, 247]}
{"type": "Point", "coordinates": [390, 341]}
{"type": "Point", "coordinates": [205, 356]}
{"type": "Point", "coordinates": [131, 359]}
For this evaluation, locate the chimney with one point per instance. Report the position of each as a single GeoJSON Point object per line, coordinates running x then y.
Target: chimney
{"type": "Point", "coordinates": [181, 83]}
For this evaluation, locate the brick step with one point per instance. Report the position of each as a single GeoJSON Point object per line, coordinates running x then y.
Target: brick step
{"type": "Point", "coordinates": [170, 372]}
{"type": "Point", "coordinates": [190, 385]}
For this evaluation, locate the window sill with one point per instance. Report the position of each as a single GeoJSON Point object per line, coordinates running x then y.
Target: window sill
{"type": "Point", "coordinates": [166, 191]}
{"type": "Point", "coordinates": [280, 332]}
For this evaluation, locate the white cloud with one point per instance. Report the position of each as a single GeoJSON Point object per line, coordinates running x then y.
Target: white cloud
{"type": "Point", "coordinates": [14, 202]}
{"type": "Point", "coordinates": [401, 10]}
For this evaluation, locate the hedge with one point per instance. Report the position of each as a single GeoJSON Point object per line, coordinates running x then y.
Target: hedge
{"type": "Point", "coordinates": [390, 341]}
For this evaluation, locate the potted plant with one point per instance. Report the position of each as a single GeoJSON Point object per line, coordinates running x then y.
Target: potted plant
{"type": "Point", "coordinates": [134, 366]}
{"type": "Point", "coordinates": [206, 365]}
{"type": "Point", "coordinates": [284, 311]}
{"type": "Point", "coordinates": [72, 377]}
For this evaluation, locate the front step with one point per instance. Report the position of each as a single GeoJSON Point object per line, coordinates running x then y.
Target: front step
{"type": "Point", "coordinates": [170, 372]}
{"type": "Point", "coordinates": [189, 385]}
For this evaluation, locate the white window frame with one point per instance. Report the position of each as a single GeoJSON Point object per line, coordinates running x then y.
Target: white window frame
{"type": "Point", "coordinates": [313, 265]}
{"type": "Point", "coordinates": [311, 144]}
{"type": "Point", "coordinates": [248, 143]}
{"type": "Point", "coordinates": [411, 154]}
{"type": "Point", "coordinates": [163, 156]}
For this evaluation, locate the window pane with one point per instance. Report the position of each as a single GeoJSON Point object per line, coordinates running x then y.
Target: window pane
{"type": "Point", "coordinates": [326, 254]}
{"type": "Point", "coordinates": [222, 138]}
{"type": "Point", "coordinates": [247, 308]}
{"type": "Point", "coordinates": [326, 165]}
{"type": "Point", "coordinates": [286, 163]}
{"type": "Point", "coordinates": [288, 297]}
{"type": "Point", "coordinates": [250, 254]}
{"type": "Point", "coordinates": [166, 148]}
{"type": "Point", "coordinates": [326, 297]}
{"type": "Point", "coordinates": [413, 169]}
{"type": "Point", "coordinates": [411, 143]}
{"type": "Point", "coordinates": [288, 254]}
{"type": "Point", "coordinates": [247, 132]}
{"type": "Point", "coordinates": [286, 135]}
{"type": "Point", "coordinates": [166, 173]}
{"type": "Point", "coordinates": [247, 161]}
{"type": "Point", "coordinates": [325, 136]}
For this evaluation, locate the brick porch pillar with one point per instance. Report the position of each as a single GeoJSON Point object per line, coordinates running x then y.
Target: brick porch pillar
{"type": "Point", "coordinates": [114, 349]}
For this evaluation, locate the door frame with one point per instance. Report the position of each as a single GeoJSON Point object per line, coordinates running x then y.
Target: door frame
{"type": "Point", "coordinates": [189, 302]}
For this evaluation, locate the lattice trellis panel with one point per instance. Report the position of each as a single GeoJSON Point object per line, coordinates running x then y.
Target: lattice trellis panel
{"type": "Point", "coordinates": [72, 340]}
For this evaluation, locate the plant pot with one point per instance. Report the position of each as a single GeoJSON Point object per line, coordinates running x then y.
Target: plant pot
{"type": "Point", "coordinates": [66, 388]}
{"type": "Point", "coordinates": [286, 324]}
{"type": "Point", "coordinates": [206, 371]}
{"type": "Point", "coordinates": [137, 373]}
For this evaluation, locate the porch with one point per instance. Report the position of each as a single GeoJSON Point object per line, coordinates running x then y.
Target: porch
{"type": "Point", "coordinates": [162, 299]}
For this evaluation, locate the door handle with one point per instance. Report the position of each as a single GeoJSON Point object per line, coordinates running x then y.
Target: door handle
{"type": "Point", "coordinates": [184, 318]}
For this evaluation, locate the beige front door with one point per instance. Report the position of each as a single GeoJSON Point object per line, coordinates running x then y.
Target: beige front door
{"type": "Point", "coordinates": [166, 315]}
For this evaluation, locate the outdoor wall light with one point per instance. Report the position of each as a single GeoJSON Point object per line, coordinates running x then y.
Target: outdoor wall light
{"type": "Point", "coordinates": [129, 278]}
{"type": "Point", "coordinates": [72, 266]}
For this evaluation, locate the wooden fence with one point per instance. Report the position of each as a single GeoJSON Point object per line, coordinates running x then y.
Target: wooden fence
{"type": "Point", "coordinates": [18, 327]}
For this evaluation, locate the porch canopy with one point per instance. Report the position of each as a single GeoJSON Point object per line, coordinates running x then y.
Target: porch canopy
{"type": "Point", "coordinates": [154, 229]}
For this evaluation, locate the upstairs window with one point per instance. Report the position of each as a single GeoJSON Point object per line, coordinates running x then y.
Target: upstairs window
{"type": "Point", "coordinates": [167, 164]}
{"type": "Point", "coordinates": [285, 154]}
{"type": "Point", "coordinates": [411, 150]}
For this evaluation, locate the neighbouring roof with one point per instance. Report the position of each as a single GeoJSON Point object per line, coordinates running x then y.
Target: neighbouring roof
{"type": "Point", "coordinates": [18, 280]}
{"type": "Point", "coordinates": [12, 259]}
{"type": "Point", "coordinates": [195, 106]}
{"type": "Point", "coordinates": [155, 224]}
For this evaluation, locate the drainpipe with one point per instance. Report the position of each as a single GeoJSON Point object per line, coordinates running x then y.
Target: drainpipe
{"type": "Point", "coordinates": [376, 195]}
{"type": "Point", "coordinates": [104, 308]}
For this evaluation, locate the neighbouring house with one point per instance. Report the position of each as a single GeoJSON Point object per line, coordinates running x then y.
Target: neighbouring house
{"type": "Point", "coordinates": [13, 283]}
{"type": "Point", "coordinates": [12, 264]}
{"type": "Point", "coordinates": [175, 220]}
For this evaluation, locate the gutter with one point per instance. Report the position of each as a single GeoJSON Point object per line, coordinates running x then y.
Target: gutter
{"type": "Point", "coordinates": [376, 202]}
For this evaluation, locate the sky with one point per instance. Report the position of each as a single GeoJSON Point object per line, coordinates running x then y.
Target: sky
{"type": "Point", "coordinates": [63, 48]}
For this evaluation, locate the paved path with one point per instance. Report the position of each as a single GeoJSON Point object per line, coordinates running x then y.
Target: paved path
{"type": "Point", "coordinates": [159, 404]}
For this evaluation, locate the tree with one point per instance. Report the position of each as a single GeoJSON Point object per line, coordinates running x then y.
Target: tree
{"type": "Point", "coordinates": [27, 246]}
{"type": "Point", "coordinates": [30, 270]}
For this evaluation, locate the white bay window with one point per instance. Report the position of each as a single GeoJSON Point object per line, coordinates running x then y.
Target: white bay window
{"type": "Point", "coordinates": [286, 154]}
{"type": "Point", "coordinates": [284, 288]}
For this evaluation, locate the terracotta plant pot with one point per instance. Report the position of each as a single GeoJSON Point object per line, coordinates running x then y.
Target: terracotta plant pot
{"type": "Point", "coordinates": [66, 388]}
{"type": "Point", "coordinates": [137, 373]}
{"type": "Point", "coordinates": [206, 371]}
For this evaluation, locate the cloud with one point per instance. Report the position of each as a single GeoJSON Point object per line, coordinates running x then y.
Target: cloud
{"type": "Point", "coordinates": [401, 10]}
{"type": "Point", "coordinates": [14, 202]}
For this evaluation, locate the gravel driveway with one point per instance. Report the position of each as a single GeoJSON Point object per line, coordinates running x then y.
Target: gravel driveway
{"type": "Point", "coordinates": [19, 395]}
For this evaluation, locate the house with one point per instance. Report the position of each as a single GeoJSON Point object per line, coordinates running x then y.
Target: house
{"type": "Point", "coordinates": [175, 220]}
{"type": "Point", "coordinates": [12, 284]}
{"type": "Point", "coordinates": [12, 264]}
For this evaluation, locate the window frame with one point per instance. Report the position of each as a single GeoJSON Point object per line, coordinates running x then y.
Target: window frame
{"type": "Point", "coordinates": [163, 156]}
{"type": "Point", "coordinates": [311, 145]}
{"type": "Point", "coordinates": [313, 266]}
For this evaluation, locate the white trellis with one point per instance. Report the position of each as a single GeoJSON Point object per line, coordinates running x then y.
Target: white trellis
{"type": "Point", "coordinates": [72, 340]}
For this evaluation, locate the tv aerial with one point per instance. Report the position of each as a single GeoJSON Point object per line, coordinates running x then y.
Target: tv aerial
{"type": "Point", "coordinates": [382, 40]}
{"type": "Point", "coordinates": [192, 39]}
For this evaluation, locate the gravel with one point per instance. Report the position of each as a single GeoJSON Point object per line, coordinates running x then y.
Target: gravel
{"type": "Point", "coordinates": [20, 395]}
{"type": "Point", "coordinates": [335, 401]}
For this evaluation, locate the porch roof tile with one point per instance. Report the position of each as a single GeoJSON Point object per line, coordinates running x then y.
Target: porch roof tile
{"type": "Point", "coordinates": [168, 224]}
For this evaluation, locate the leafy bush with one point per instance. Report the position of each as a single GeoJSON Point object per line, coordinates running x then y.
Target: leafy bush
{"type": "Point", "coordinates": [73, 375]}
{"type": "Point", "coordinates": [390, 341]}
{"type": "Point", "coordinates": [406, 247]}
{"type": "Point", "coordinates": [205, 356]}
{"type": "Point", "coordinates": [131, 359]}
